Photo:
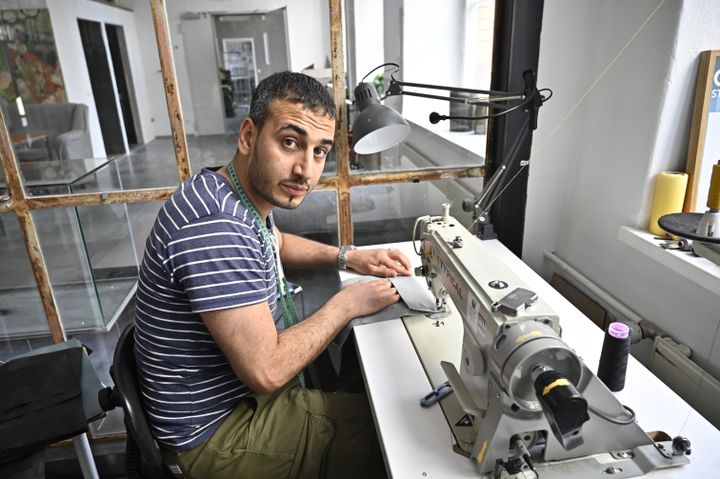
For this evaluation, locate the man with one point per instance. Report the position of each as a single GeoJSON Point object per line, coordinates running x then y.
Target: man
{"type": "Point", "coordinates": [218, 380]}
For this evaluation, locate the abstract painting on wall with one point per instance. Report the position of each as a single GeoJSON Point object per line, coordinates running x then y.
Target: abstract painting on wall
{"type": "Point", "coordinates": [29, 66]}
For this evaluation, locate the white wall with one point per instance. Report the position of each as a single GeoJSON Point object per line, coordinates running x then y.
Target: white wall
{"type": "Point", "coordinates": [369, 38]}
{"type": "Point", "coordinates": [308, 40]}
{"type": "Point", "coordinates": [64, 15]}
{"type": "Point", "coordinates": [433, 42]}
{"type": "Point", "coordinates": [591, 172]}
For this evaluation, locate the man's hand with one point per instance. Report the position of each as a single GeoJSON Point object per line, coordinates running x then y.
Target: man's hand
{"type": "Point", "coordinates": [387, 263]}
{"type": "Point", "coordinates": [365, 297]}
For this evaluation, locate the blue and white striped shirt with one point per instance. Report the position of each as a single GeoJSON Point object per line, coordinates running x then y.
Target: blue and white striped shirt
{"type": "Point", "coordinates": [204, 253]}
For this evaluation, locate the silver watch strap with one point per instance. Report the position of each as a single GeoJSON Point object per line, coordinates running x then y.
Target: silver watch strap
{"type": "Point", "coordinates": [342, 263]}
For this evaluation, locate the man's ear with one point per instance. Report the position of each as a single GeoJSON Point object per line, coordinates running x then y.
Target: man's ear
{"type": "Point", "coordinates": [246, 137]}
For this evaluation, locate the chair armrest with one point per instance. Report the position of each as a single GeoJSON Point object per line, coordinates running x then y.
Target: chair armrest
{"type": "Point", "coordinates": [69, 136]}
{"type": "Point", "coordinates": [73, 144]}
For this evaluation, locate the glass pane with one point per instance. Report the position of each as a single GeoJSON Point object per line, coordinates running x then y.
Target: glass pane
{"type": "Point", "coordinates": [315, 218]}
{"type": "Point", "coordinates": [67, 261]}
{"type": "Point", "coordinates": [22, 319]}
{"type": "Point", "coordinates": [49, 177]}
{"type": "Point", "coordinates": [387, 213]}
{"type": "Point", "coordinates": [99, 96]}
{"type": "Point", "coordinates": [118, 270]}
{"type": "Point", "coordinates": [43, 124]}
{"type": "Point", "coordinates": [422, 150]}
{"type": "Point", "coordinates": [458, 58]}
{"type": "Point", "coordinates": [109, 249]}
{"type": "Point", "coordinates": [142, 218]}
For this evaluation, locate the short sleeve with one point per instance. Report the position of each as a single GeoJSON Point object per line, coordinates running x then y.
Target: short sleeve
{"type": "Point", "coordinates": [220, 262]}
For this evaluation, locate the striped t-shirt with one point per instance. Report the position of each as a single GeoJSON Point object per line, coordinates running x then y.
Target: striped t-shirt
{"type": "Point", "coordinates": [204, 253]}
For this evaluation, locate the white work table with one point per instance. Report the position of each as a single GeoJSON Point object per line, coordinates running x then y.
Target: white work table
{"type": "Point", "coordinates": [417, 442]}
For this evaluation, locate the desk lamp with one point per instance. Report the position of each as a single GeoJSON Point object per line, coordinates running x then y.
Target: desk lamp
{"type": "Point", "coordinates": [379, 127]}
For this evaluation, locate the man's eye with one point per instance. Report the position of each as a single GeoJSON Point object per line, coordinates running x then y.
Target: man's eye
{"type": "Point", "coordinates": [321, 152]}
{"type": "Point", "coordinates": [290, 142]}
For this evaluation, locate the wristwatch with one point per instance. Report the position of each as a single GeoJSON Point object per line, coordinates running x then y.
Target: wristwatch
{"type": "Point", "coordinates": [342, 264]}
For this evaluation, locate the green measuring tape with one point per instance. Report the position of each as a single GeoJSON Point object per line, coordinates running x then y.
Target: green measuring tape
{"type": "Point", "coordinates": [287, 305]}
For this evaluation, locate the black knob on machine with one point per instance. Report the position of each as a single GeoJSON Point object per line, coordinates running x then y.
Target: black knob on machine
{"type": "Point", "coordinates": [565, 408]}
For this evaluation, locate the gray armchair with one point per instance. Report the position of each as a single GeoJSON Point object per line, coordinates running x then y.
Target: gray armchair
{"type": "Point", "coordinates": [64, 126]}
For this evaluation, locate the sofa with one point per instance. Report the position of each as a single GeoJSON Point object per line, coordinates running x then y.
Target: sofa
{"type": "Point", "coordinates": [65, 126]}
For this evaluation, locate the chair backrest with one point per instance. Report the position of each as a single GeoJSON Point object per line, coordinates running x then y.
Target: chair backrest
{"type": "Point", "coordinates": [124, 373]}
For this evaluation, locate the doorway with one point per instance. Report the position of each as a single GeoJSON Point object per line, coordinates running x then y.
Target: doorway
{"type": "Point", "coordinates": [246, 49]}
{"type": "Point", "coordinates": [101, 81]}
{"type": "Point", "coordinates": [250, 48]}
{"type": "Point", "coordinates": [123, 81]}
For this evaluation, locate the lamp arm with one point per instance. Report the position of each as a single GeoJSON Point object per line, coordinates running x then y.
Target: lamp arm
{"type": "Point", "coordinates": [467, 101]}
{"type": "Point", "coordinates": [451, 99]}
{"type": "Point", "coordinates": [503, 168]}
{"type": "Point", "coordinates": [397, 85]}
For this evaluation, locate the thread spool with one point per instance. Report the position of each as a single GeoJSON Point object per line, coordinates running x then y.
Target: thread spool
{"type": "Point", "coordinates": [614, 356]}
{"type": "Point", "coordinates": [669, 197]}
{"type": "Point", "coordinates": [713, 201]}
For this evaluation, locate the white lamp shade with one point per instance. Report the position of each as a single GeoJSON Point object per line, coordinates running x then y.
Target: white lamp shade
{"type": "Point", "coordinates": [378, 128]}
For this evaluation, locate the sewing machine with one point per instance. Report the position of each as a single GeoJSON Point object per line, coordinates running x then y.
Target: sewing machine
{"type": "Point", "coordinates": [528, 405]}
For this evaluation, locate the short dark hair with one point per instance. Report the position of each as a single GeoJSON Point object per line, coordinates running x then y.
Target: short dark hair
{"type": "Point", "coordinates": [292, 87]}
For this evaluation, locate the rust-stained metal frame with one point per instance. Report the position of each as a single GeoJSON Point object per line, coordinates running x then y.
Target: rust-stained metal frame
{"type": "Point", "coordinates": [22, 204]}
{"type": "Point", "coordinates": [344, 181]}
{"type": "Point", "coordinates": [17, 203]}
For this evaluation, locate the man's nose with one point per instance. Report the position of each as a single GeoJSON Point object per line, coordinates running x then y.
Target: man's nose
{"type": "Point", "coordinates": [304, 163]}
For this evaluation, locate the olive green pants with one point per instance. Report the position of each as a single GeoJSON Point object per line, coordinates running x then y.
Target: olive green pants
{"type": "Point", "coordinates": [292, 433]}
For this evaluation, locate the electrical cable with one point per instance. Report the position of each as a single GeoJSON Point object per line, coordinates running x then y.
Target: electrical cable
{"type": "Point", "coordinates": [397, 68]}
{"type": "Point", "coordinates": [417, 222]}
{"type": "Point", "coordinates": [620, 422]}
{"type": "Point", "coordinates": [525, 102]}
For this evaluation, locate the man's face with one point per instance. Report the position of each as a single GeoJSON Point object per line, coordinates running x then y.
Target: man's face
{"type": "Point", "coordinates": [287, 155]}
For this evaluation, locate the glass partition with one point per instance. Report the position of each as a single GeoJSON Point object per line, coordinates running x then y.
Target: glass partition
{"type": "Point", "coordinates": [315, 218]}
{"type": "Point", "coordinates": [22, 318]}
{"type": "Point", "coordinates": [90, 252]}
{"type": "Point", "coordinates": [460, 57]}
{"type": "Point", "coordinates": [387, 213]}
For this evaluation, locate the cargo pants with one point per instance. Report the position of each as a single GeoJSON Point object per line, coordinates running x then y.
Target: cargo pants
{"type": "Point", "coordinates": [292, 433]}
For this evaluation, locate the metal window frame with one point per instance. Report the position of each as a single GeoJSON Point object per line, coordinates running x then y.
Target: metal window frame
{"type": "Point", "coordinates": [342, 182]}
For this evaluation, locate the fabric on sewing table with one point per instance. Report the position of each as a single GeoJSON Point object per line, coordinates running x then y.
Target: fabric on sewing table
{"type": "Point", "coordinates": [415, 298]}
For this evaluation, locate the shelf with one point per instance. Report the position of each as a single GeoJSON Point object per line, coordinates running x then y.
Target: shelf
{"type": "Point", "coordinates": [699, 270]}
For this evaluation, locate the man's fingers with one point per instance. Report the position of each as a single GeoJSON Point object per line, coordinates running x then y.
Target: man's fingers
{"type": "Point", "coordinates": [394, 265]}
{"type": "Point", "coordinates": [397, 257]}
{"type": "Point", "coordinates": [382, 270]}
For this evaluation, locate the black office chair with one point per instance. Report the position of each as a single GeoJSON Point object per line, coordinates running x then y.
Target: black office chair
{"type": "Point", "coordinates": [143, 459]}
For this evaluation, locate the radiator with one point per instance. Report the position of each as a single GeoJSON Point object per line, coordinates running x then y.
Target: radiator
{"type": "Point", "coordinates": [686, 378]}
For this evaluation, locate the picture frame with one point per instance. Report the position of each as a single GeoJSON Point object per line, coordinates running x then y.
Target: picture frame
{"type": "Point", "coordinates": [704, 146]}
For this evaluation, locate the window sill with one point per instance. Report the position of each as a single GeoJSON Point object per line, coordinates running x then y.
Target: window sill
{"type": "Point", "coordinates": [699, 270]}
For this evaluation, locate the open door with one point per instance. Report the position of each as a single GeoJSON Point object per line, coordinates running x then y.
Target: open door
{"type": "Point", "coordinates": [103, 89]}
{"type": "Point", "coordinates": [123, 81]}
{"type": "Point", "coordinates": [231, 51]}
{"type": "Point", "coordinates": [204, 73]}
